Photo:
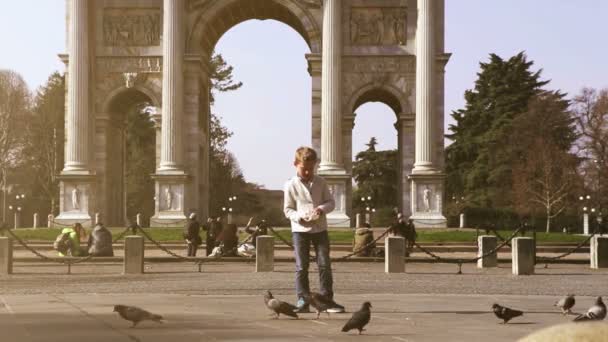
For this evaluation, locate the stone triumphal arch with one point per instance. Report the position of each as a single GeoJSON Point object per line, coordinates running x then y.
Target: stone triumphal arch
{"type": "Point", "coordinates": [158, 51]}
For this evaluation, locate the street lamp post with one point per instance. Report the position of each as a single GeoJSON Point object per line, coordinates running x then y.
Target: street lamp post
{"type": "Point", "coordinates": [368, 207]}
{"type": "Point", "coordinates": [228, 210]}
{"type": "Point", "coordinates": [587, 209]}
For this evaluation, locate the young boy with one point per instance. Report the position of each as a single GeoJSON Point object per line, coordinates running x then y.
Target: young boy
{"type": "Point", "coordinates": [307, 201]}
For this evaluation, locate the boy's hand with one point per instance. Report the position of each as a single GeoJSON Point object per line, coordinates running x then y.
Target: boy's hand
{"type": "Point", "coordinates": [318, 211]}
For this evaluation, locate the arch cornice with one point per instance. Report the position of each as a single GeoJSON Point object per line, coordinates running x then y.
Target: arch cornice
{"type": "Point", "coordinates": [226, 14]}
{"type": "Point", "coordinates": [379, 92]}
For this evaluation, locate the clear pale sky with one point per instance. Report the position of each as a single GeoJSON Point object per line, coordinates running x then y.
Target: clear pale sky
{"type": "Point", "coordinates": [270, 113]}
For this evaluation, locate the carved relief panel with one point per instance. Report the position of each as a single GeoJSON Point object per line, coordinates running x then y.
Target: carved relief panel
{"type": "Point", "coordinates": [397, 72]}
{"type": "Point", "coordinates": [132, 26]}
{"type": "Point", "coordinates": [378, 26]}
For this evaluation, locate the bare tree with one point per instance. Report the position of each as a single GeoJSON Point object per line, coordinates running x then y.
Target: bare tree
{"type": "Point", "coordinates": [44, 143]}
{"type": "Point", "coordinates": [591, 110]}
{"type": "Point", "coordinates": [14, 105]}
{"type": "Point", "coordinates": [545, 179]}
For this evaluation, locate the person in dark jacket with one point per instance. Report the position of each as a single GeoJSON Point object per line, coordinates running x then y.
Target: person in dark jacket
{"type": "Point", "coordinates": [410, 237]}
{"type": "Point", "coordinates": [191, 234]}
{"type": "Point", "coordinates": [100, 241]}
{"type": "Point", "coordinates": [260, 229]}
{"type": "Point", "coordinates": [213, 229]}
{"type": "Point", "coordinates": [228, 240]}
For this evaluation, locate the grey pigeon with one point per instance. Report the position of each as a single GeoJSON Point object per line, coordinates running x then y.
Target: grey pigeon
{"type": "Point", "coordinates": [360, 319]}
{"type": "Point", "coordinates": [566, 304]}
{"type": "Point", "coordinates": [321, 303]}
{"type": "Point", "coordinates": [279, 307]}
{"type": "Point", "coordinates": [135, 314]}
{"type": "Point", "coordinates": [595, 313]}
{"type": "Point", "coordinates": [505, 313]}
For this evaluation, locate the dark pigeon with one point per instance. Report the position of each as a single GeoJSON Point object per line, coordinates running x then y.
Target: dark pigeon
{"type": "Point", "coordinates": [136, 315]}
{"type": "Point", "coordinates": [595, 313]}
{"type": "Point", "coordinates": [565, 304]}
{"type": "Point", "coordinates": [321, 303]}
{"type": "Point", "coordinates": [505, 313]}
{"type": "Point", "coordinates": [360, 319]}
{"type": "Point", "coordinates": [279, 307]}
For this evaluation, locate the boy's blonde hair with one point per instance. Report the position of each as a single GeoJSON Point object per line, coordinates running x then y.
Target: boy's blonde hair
{"type": "Point", "coordinates": [305, 153]}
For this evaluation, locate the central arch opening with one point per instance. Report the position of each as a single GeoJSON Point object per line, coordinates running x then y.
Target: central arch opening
{"type": "Point", "coordinates": [270, 115]}
{"type": "Point", "coordinates": [131, 158]}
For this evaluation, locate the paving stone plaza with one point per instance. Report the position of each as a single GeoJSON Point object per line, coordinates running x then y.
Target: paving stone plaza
{"type": "Point", "coordinates": [225, 302]}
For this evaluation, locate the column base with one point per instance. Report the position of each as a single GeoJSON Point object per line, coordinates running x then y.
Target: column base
{"type": "Point", "coordinates": [427, 200]}
{"type": "Point", "coordinates": [337, 181]}
{"type": "Point", "coordinates": [76, 198]}
{"type": "Point", "coordinates": [169, 199]}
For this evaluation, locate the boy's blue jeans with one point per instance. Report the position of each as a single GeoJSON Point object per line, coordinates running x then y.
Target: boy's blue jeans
{"type": "Point", "coordinates": [301, 244]}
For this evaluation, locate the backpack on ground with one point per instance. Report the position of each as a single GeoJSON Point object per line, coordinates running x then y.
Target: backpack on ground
{"type": "Point", "coordinates": [62, 243]}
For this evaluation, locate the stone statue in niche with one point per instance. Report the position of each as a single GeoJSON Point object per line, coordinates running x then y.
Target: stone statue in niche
{"type": "Point", "coordinates": [168, 199]}
{"type": "Point", "coordinates": [426, 199]}
{"type": "Point", "coordinates": [130, 78]}
{"type": "Point", "coordinates": [76, 198]}
{"type": "Point", "coordinates": [378, 26]}
{"type": "Point", "coordinates": [131, 26]}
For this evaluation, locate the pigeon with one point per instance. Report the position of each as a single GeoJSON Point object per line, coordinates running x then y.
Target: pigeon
{"type": "Point", "coordinates": [595, 313]}
{"type": "Point", "coordinates": [360, 319]}
{"type": "Point", "coordinates": [566, 304]}
{"type": "Point", "coordinates": [136, 315]}
{"type": "Point", "coordinates": [321, 303]}
{"type": "Point", "coordinates": [505, 313]}
{"type": "Point", "coordinates": [279, 307]}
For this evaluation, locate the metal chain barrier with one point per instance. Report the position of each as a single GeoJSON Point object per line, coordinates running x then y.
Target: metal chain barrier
{"type": "Point", "coordinates": [546, 260]}
{"type": "Point", "coordinates": [364, 247]}
{"type": "Point", "coordinates": [459, 262]}
{"type": "Point", "coordinates": [62, 225]}
{"type": "Point", "coordinates": [61, 260]}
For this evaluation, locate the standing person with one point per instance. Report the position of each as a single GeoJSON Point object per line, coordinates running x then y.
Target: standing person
{"type": "Point", "coordinates": [307, 201]}
{"type": "Point", "coordinates": [100, 241]}
{"type": "Point", "coordinates": [214, 228]}
{"type": "Point", "coordinates": [260, 229]}
{"type": "Point", "coordinates": [410, 237]}
{"type": "Point", "coordinates": [191, 234]}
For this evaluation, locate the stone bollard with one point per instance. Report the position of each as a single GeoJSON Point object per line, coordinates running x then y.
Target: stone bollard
{"type": "Point", "coordinates": [522, 255]}
{"type": "Point", "coordinates": [394, 252]}
{"type": "Point", "coordinates": [599, 251]}
{"type": "Point", "coordinates": [138, 219]}
{"type": "Point", "coordinates": [264, 254]}
{"type": "Point", "coordinates": [6, 255]}
{"type": "Point", "coordinates": [49, 221]}
{"type": "Point", "coordinates": [35, 220]}
{"type": "Point", "coordinates": [485, 244]}
{"type": "Point", "coordinates": [462, 222]}
{"type": "Point", "coordinates": [586, 224]}
{"type": "Point", "coordinates": [360, 222]}
{"type": "Point", "coordinates": [134, 255]}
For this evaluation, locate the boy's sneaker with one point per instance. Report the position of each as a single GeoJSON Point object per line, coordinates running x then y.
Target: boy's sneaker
{"type": "Point", "coordinates": [336, 308]}
{"type": "Point", "coordinates": [302, 306]}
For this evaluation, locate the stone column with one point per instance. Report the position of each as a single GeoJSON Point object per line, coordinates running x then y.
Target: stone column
{"type": "Point", "coordinates": [78, 175]}
{"type": "Point", "coordinates": [78, 124]}
{"type": "Point", "coordinates": [173, 83]}
{"type": "Point", "coordinates": [425, 79]}
{"type": "Point", "coordinates": [405, 143]}
{"type": "Point", "coordinates": [331, 94]}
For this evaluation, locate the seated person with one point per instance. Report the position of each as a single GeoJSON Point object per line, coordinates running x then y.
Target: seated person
{"type": "Point", "coordinates": [228, 240]}
{"type": "Point", "coordinates": [100, 241]}
{"type": "Point", "coordinates": [72, 237]}
{"type": "Point", "coordinates": [364, 241]}
{"type": "Point", "coordinates": [260, 229]}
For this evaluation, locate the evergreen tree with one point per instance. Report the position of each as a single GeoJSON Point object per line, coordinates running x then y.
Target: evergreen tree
{"type": "Point", "coordinates": [479, 161]}
{"type": "Point", "coordinates": [375, 173]}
